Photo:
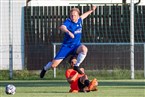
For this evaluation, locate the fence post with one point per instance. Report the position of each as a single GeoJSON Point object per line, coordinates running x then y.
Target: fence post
{"type": "Point", "coordinates": [132, 38]}
{"type": "Point", "coordinates": [144, 60]}
{"type": "Point", "coordinates": [10, 41]}
{"type": "Point", "coordinates": [54, 53]}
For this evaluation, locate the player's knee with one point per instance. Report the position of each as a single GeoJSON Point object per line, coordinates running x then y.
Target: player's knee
{"type": "Point", "coordinates": [84, 49]}
{"type": "Point", "coordinates": [55, 63]}
{"type": "Point", "coordinates": [53, 66]}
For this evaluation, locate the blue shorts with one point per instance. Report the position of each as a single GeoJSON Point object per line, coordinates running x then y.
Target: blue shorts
{"type": "Point", "coordinates": [66, 50]}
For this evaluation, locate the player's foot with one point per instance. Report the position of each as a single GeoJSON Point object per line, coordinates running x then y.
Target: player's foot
{"type": "Point", "coordinates": [92, 85]}
{"type": "Point", "coordinates": [42, 73]}
{"type": "Point", "coordinates": [76, 68]}
{"type": "Point", "coordinates": [94, 88]}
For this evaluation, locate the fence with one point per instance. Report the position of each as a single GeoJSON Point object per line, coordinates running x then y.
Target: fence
{"type": "Point", "coordinates": [108, 24]}
{"type": "Point", "coordinates": [109, 56]}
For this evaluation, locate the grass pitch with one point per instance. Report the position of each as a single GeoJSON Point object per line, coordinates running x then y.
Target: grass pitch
{"type": "Point", "coordinates": [60, 88]}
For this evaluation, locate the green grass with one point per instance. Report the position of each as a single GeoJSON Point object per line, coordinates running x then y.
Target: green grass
{"type": "Point", "coordinates": [60, 88]}
{"type": "Point", "coordinates": [116, 74]}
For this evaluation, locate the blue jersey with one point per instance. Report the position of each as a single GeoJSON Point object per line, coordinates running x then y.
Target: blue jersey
{"type": "Point", "coordinates": [70, 45]}
{"type": "Point", "coordinates": [76, 29]}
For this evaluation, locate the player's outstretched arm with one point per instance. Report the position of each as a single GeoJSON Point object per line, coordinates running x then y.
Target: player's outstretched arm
{"type": "Point", "coordinates": [72, 78]}
{"type": "Point", "coordinates": [84, 15]}
{"type": "Point", "coordinates": [64, 29]}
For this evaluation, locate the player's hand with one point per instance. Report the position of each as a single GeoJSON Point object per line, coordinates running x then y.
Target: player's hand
{"type": "Point", "coordinates": [64, 29]}
{"type": "Point", "coordinates": [71, 35]}
{"type": "Point", "coordinates": [94, 8]}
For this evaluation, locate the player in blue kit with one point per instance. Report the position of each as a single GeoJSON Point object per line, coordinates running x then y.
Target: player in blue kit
{"type": "Point", "coordinates": [72, 27]}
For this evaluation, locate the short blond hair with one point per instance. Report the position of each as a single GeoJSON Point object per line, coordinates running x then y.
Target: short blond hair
{"type": "Point", "coordinates": [75, 9]}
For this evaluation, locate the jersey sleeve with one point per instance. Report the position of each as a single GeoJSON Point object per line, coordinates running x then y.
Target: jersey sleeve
{"type": "Point", "coordinates": [81, 21]}
{"type": "Point", "coordinates": [67, 22]}
{"type": "Point", "coordinates": [67, 73]}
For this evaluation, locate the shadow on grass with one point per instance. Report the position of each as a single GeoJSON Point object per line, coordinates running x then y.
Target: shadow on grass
{"type": "Point", "coordinates": [122, 83]}
{"type": "Point", "coordinates": [35, 83]}
{"type": "Point", "coordinates": [58, 83]}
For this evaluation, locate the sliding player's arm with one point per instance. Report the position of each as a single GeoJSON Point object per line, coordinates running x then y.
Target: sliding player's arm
{"type": "Point", "coordinates": [72, 78]}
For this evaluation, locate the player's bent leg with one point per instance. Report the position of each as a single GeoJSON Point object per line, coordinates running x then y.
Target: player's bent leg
{"type": "Point", "coordinates": [82, 48]}
{"type": "Point", "coordinates": [45, 68]}
{"type": "Point", "coordinates": [52, 64]}
{"type": "Point", "coordinates": [56, 62]}
{"type": "Point", "coordinates": [83, 78]}
{"type": "Point", "coordinates": [76, 68]}
{"type": "Point", "coordinates": [82, 52]}
{"type": "Point", "coordinates": [85, 82]}
{"type": "Point", "coordinates": [42, 73]}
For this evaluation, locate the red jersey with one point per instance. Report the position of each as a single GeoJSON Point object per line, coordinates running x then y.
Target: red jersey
{"type": "Point", "coordinates": [69, 73]}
